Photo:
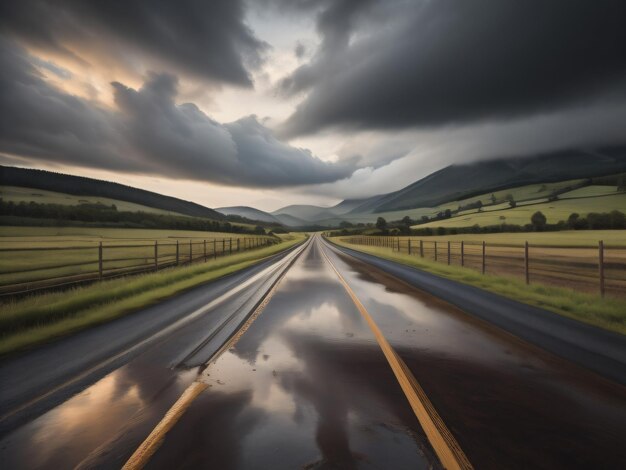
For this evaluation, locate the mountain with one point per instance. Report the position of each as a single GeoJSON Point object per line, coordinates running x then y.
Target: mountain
{"type": "Point", "coordinates": [78, 185]}
{"type": "Point", "coordinates": [249, 213]}
{"type": "Point", "coordinates": [291, 221]}
{"type": "Point", "coordinates": [348, 205]}
{"type": "Point", "coordinates": [462, 181]}
{"type": "Point", "coordinates": [305, 212]}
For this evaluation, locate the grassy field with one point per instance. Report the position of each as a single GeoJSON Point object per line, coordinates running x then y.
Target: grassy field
{"type": "Point", "coordinates": [554, 212]}
{"type": "Point", "coordinates": [608, 313]}
{"type": "Point", "coordinates": [570, 238]}
{"type": "Point", "coordinates": [17, 194]}
{"type": "Point", "coordinates": [74, 250]}
{"type": "Point", "coordinates": [590, 191]}
{"type": "Point", "coordinates": [523, 195]}
{"type": "Point", "coordinates": [40, 318]}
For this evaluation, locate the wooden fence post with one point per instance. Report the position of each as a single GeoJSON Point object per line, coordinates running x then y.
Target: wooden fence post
{"type": "Point", "coordinates": [214, 248]}
{"type": "Point", "coordinates": [100, 260]}
{"type": "Point", "coordinates": [156, 255]}
{"type": "Point", "coordinates": [177, 251]}
{"type": "Point", "coordinates": [483, 257]}
{"type": "Point", "coordinates": [421, 248]}
{"type": "Point", "coordinates": [409, 246]}
{"type": "Point", "coordinates": [462, 253]}
{"type": "Point", "coordinates": [526, 263]}
{"type": "Point", "coordinates": [230, 246]}
{"type": "Point", "coordinates": [601, 265]}
{"type": "Point", "coordinates": [205, 251]}
{"type": "Point", "coordinates": [448, 252]}
{"type": "Point", "coordinates": [398, 240]}
{"type": "Point", "coordinates": [238, 240]}
{"type": "Point", "coordinates": [435, 251]}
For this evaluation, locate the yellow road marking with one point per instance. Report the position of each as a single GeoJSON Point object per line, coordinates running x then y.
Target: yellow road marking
{"type": "Point", "coordinates": [148, 447]}
{"type": "Point", "coordinates": [441, 439]}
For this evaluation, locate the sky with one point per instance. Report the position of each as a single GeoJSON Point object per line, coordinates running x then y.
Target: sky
{"type": "Point", "coordinates": [274, 102]}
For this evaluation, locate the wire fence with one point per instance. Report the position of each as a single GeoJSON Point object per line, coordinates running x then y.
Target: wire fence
{"type": "Point", "coordinates": [600, 269]}
{"type": "Point", "coordinates": [29, 269]}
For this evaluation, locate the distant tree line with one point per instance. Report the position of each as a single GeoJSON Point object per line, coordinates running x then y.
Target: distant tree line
{"type": "Point", "coordinates": [614, 220]}
{"type": "Point", "coordinates": [94, 214]}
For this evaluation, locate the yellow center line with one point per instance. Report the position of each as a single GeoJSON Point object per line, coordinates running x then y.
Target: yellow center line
{"type": "Point", "coordinates": [441, 439]}
{"type": "Point", "coordinates": [149, 446]}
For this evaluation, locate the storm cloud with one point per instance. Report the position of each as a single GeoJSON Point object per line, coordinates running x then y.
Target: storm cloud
{"type": "Point", "coordinates": [205, 39]}
{"type": "Point", "coordinates": [394, 65]}
{"type": "Point", "coordinates": [147, 132]}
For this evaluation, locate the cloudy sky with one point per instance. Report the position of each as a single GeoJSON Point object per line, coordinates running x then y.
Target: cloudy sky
{"type": "Point", "coordinates": [277, 102]}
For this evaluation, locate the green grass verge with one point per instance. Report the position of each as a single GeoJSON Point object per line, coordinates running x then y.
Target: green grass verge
{"type": "Point", "coordinates": [40, 318]}
{"type": "Point", "coordinates": [607, 313]}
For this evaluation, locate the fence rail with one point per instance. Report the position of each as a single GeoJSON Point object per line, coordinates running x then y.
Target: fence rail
{"type": "Point", "coordinates": [599, 269]}
{"type": "Point", "coordinates": [26, 270]}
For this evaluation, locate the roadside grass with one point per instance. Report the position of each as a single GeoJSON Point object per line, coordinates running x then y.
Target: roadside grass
{"type": "Point", "coordinates": [40, 318]}
{"type": "Point", "coordinates": [607, 313]}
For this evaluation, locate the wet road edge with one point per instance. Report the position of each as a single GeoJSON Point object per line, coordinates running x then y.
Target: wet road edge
{"type": "Point", "coordinates": [601, 351]}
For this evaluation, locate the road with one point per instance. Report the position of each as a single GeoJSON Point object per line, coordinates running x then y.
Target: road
{"type": "Point", "coordinates": [309, 384]}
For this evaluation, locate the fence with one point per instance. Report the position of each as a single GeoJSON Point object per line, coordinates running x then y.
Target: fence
{"type": "Point", "coordinates": [599, 269]}
{"type": "Point", "coordinates": [26, 270]}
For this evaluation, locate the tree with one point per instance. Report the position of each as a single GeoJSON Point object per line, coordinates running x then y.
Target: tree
{"type": "Point", "coordinates": [539, 221]}
{"type": "Point", "coordinates": [258, 229]}
{"type": "Point", "coordinates": [381, 224]}
{"type": "Point", "coordinates": [447, 213]}
{"type": "Point", "coordinates": [572, 220]}
{"type": "Point", "coordinates": [425, 219]}
{"type": "Point", "coordinates": [493, 198]}
{"type": "Point", "coordinates": [406, 220]}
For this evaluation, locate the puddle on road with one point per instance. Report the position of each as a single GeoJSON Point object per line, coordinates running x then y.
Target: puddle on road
{"type": "Point", "coordinates": [305, 387]}
{"type": "Point", "coordinates": [509, 403]}
{"type": "Point", "coordinates": [99, 427]}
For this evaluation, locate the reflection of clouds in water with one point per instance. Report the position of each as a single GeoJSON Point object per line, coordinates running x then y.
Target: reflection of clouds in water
{"type": "Point", "coordinates": [440, 329]}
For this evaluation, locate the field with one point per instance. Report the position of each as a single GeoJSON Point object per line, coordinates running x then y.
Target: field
{"type": "Point", "coordinates": [39, 318]}
{"type": "Point", "coordinates": [523, 195]}
{"type": "Point", "coordinates": [554, 212]}
{"type": "Point", "coordinates": [563, 280]}
{"type": "Point", "coordinates": [566, 238]}
{"type": "Point", "coordinates": [41, 256]}
{"type": "Point", "coordinates": [17, 194]}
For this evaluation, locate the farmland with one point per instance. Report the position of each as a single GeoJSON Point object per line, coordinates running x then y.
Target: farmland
{"type": "Point", "coordinates": [18, 194]}
{"type": "Point", "coordinates": [40, 253]}
{"type": "Point", "coordinates": [553, 210]}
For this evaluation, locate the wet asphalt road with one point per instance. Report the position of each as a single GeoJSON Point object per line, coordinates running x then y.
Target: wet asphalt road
{"type": "Point", "coordinates": [308, 387]}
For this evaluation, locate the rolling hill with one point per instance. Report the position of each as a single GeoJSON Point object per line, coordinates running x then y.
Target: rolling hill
{"type": "Point", "coordinates": [80, 186]}
{"type": "Point", "coordinates": [462, 181]}
{"type": "Point", "coordinates": [249, 213]}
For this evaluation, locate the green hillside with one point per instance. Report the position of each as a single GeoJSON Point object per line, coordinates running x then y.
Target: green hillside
{"type": "Point", "coordinates": [459, 182]}
{"type": "Point", "coordinates": [79, 186]}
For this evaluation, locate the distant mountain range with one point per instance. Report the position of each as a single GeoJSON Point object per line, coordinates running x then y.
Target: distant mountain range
{"type": "Point", "coordinates": [453, 183]}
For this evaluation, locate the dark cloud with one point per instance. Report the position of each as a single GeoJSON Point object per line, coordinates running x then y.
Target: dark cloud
{"type": "Point", "coordinates": [205, 39]}
{"type": "Point", "coordinates": [401, 64]}
{"type": "Point", "coordinates": [299, 50]}
{"type": "Point", "coordinates": [148, 133]}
